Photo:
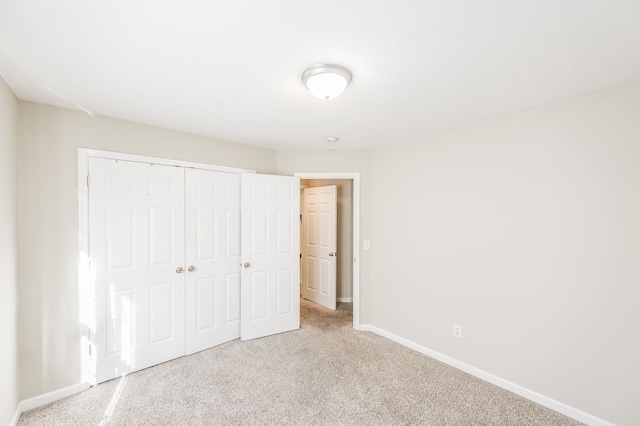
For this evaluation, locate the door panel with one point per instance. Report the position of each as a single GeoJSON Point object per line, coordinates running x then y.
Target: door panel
{"type": "Point", "coordinates": [233, 302]}
{"type": "Point", "coordinates": [119, 237]}
{"type": "Point", "coordinates": [270, 245]}
{"type": "Point", "coordinates": [206, 303]}
{"type": "Point", "coordinates": [319, 245]}
{"type": "Point", "coordinates": [161, 312]}
{"type": "Point", "coordinates": [213, 249]}
{"type": "Point", "coordinates": [136, 220]}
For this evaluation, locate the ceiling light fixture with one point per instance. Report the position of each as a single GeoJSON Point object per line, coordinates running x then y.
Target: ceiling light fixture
{"type": "Point", "coordinates": [326, 81]}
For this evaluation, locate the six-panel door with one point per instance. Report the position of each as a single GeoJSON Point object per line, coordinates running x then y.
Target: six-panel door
{"type": "Point", "coordinates": [270, 245]}
{"type": "Point", "coordinates": [213, 258]}
{"type": "Point", "coordinates": [319, 244]}
{"type": "Point", "coordinates": [136, 219]}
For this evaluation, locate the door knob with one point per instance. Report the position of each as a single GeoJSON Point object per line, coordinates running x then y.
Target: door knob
{"type": "Point", "coordinates": [333, 254]}
{"type": "Point", "coordinates": [247, 265]}
{"type": "Point", "coordinates": [191, 268]}
{"type": "Point", "coordinates": [179, 270]}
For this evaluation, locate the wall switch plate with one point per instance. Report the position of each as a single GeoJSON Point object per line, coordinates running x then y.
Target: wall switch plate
{"type": "Point", "coordinates": [366, 244]}
{"type": "Point", "coordinates": [457, 331]}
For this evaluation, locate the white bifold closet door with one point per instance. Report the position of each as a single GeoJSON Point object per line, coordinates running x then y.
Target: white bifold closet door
{"type": "Point", "coordinates": [270, 245]}
{"type": "Point", "coordinates": [166, 250]}
{"type": "Point", "coordinates": [212, 258]}
{"type": "Point", "coordinates": [136, 231]}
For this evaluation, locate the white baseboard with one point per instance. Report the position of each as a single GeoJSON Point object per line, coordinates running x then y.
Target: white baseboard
{"type": "Point", "coordinates": [344, 299]}
{"type": "Point", "coordinates": [16, 416]}
{"type": "Point", "coordinates": [545, 401]}
{"type": "Point", "coordinates": [47, 398]}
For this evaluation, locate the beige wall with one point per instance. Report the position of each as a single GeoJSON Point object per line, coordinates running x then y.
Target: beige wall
{"type": "Point", "coordinates": [344, 273]}
{"type": "Point", "coordinates": [49, 138]}
{"type": "Point", "coordinates": [289, 162]}
{"type": "Point", "coordinates": [8, 253]}
{"type": "Point", "coordinates": [525, 230]}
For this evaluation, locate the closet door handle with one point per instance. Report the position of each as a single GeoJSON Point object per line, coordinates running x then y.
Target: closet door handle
{"type": "Point", "coordinates": [247, 265]}
{"type": "Point", "coordinates": [179, 270]}
{"type": "Point", "coordinates": [191, 268]}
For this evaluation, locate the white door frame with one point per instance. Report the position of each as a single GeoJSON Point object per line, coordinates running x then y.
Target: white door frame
{"type": "Point", "coordinates": [355, 177]}
{"type": "Point", "coordinates": [85, 275]}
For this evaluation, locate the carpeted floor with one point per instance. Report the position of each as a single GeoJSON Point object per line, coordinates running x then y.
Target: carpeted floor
{"type": "Point", "coordinates": [324, 373]}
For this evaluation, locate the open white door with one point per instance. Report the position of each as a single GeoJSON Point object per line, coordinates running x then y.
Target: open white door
{"type": "Point", "coordinates": [319, 245]}
{"type": "Point", "coordinates": [212, 204]}
{"type": "Point", "coordinates": [270, 245]}
{"type": "Point", "coordinates": [136, 219]}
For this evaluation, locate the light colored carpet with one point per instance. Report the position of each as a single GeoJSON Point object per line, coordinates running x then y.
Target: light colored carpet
{"type": "Point", "coordinates": [324, 373]}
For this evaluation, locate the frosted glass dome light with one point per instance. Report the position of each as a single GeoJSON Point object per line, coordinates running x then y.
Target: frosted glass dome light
{"type": "Point", "coordinates": [326, 81]}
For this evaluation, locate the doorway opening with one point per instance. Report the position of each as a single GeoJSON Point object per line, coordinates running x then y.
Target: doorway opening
{"type": "Point", "coordinates": [348, 233]}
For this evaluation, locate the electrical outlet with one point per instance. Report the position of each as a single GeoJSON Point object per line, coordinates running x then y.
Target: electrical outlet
{"type": "Point", "coordinates": [457, 331]}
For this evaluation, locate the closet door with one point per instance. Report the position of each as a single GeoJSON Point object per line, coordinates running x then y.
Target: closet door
{"type": "Point", "coordinates": [270, 243]}
{"type": "Point", "coordinates": [136, 225]}
{"type": "Point", "coordinates": [212, 258]}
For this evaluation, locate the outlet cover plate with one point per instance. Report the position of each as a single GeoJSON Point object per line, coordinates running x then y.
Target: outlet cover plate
{"type": "Point", "coordinates": [457, 331]}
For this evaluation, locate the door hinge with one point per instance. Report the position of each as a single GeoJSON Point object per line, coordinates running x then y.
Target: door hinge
{"type": "Point", "coordinates": [88, 181]}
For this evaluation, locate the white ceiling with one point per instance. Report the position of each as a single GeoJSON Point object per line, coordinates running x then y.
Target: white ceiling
{"type": "Point", "coordinates": [231, 69]}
